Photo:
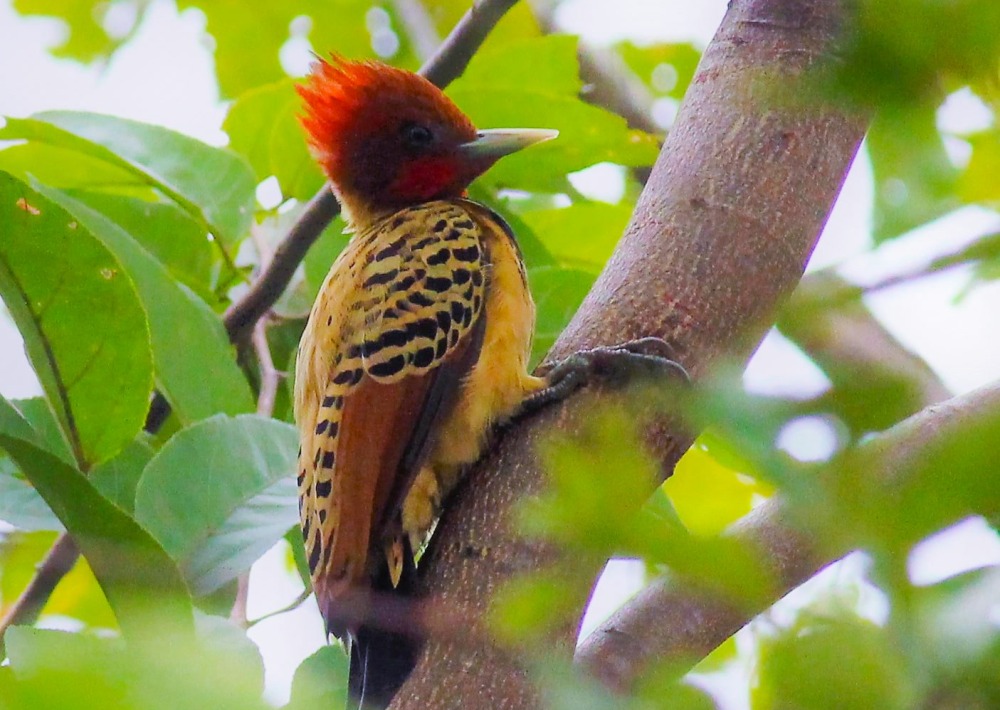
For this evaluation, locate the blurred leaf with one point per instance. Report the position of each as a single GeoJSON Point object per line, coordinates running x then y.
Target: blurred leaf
{"type": "Point", "coordinates": [130, 565]}
{"type": "Point", "coordinates": [558, 293]}
{"type": "Point", "coordinates": [547, 64]}
{"type": "Point", "coordinates": [84, 329]}
{"type": "Point", "coordinates": [583, 235]}
{"type": "Point", "coordinates": [219, 494]}
{"type": "Point", "coordinates": [263, 127]}
{"type": "Point", "coordinates": [86, 38]}
{"type": "Point", "coordinates": [537, 88]}
{"type": "Point", "coordinates": [322, 254]}
{"type": "Point", "coordinates": [587, 135]}
{"type": "Point", "coordinates": [528, 607]}
{"type": "Point", "coordinates": [519, 22]}
{"type": "Point", "coordinates": [181, 355]}
{"type": "Point", "coordinates": [221, 636]}
{"type": "Point", "coordinates": [956, 616]}
{"type": "Point", "coordinates": [979, 182]}
{"type": "Point", "coordinates": [900, 52]}
{"type": "Point", "coordinates": [666, 69]}
{"type": "Point", "coordinates": [320, 680]}
{"type": "Point", "coordinates": [914, 180]}
{"type": "Point", "coordinates": [20, 504]}
{"type": "Point", "coordinates": [215, 186]}
{"type": "Point", "coordinates": [708, 496]}
{"type": "Point", "coordinates": [339, 26]}
{"type": "Point", "coordinates": [660, 507]}
{"type": "Point", "coordinates": [51, 667]}
{"type": "Point", "coordinates": [841, 663]}
{"type": "Point", "coordinates": [118, 477]}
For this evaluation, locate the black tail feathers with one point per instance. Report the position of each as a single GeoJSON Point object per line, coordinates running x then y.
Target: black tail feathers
{"type": "Point", "coordinates": [381, 659]}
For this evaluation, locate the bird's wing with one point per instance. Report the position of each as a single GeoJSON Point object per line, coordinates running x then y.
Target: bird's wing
{"type": "Point", "coordinates": [401, 335]}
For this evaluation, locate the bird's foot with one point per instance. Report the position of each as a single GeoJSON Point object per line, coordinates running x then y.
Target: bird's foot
{"type": "Point", "coordinates": [614, 365]}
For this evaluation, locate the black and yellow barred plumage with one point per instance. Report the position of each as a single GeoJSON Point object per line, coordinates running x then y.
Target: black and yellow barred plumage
{"type": "Point", "coordinates": [401, 302]}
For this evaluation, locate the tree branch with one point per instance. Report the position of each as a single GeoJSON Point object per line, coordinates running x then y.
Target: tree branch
{"type": "Point", "coordinates": [608, 80]}
{"type": "Point", "coordinates": [668, 622]}
{"type": "Point", "coordinates": [704, 263]}
{"type": "Point", "coordinates": [57, 563]}
{"type": "Point", "coordinates": [446, 65]}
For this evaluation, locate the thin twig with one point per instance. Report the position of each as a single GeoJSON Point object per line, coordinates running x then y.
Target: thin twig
{"type": "Point", "coordinates": [294, 604]}
{"type": "Point", "coordinates": [57, 563]}
{"type": "Point", "coordinates": [419, 26]}
{"type": "Point", "coordinates": [608, 80]}
{"type": "Point", "coordinates": [448, 62]}
{"type": "Point", "coordinates": [238, 615]}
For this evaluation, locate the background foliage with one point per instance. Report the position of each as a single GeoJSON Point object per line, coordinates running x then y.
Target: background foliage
{"type": "Point", "coordinates": [123, 243]}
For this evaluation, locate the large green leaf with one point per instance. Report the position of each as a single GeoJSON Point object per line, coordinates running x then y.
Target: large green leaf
{"type": "Point", "coordinates": [20, 504]}
{"type": "Point", "coordinates": [558, 292]}
{"type": "Point", "coordinates": [338, 26]}
{"type": "Point", "coordinates": [83, 325]}
{"type": "Point", "coordinates": [582, 235]}
{"type": "Point", "coordinates": [72, 671]}
{"type": "Point", "coordinates": [914, 179]}
{"type": "Point", "coordinates": [133, 569]}
{"type": "Point", "coordinates": [219, 494]}
{"type": "Point", "coordinates": [86, 37]}
{"type": "Point", "coordinates": [537, 88]}
{"type": "Point", "coordinates": [164, 230]}
{"type": "Point", "coordinates": [214, 185]}
{"type": "Point", "coordinates": [262, 127]}
{"type": "Point", "coordinates": [187, 336]}
{"type": "Point", "coordinates": [320, 680]}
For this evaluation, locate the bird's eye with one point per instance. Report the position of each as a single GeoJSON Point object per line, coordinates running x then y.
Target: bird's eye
{"type": "Point", "coordinates": [417, 136]}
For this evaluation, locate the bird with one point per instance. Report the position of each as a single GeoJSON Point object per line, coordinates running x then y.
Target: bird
{"type": "Point", "coordinates": [416, 347]}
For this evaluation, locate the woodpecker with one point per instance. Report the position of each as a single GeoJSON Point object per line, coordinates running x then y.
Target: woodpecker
{"type": "Point", "coordinates": [419, 339]}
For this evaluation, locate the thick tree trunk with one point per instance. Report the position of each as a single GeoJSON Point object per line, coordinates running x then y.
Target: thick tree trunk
{"type": "Point", "coordinates": [720, 236]}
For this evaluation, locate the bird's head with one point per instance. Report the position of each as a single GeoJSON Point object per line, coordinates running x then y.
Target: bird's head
{"type": "Point", "coordinates": [388, 138]}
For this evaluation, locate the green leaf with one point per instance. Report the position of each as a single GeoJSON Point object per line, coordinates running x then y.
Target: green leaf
{"type": "Point", "coordinates": [558, 293]}
{"type": "Point", "coordinates": [320, 681]}
{"type": "Point", "coordinates": [117, 478]}
{"type": "Point", "coordinates": [181, 355]}
{"type": "Point", "coordinates": [547, 64]}
{"type": "Point", "coordinates": [667, 69]}
{"type": "Point", "coordinates": [914, 180]}
{"type": "Point", "coordinates": [337, 26]}
{"type": "Point", "coordinates": [262, 126]}
{"type": "Point", "coordinates": [164, 230]}
{"type": "Point", "coordinates": [133, 569]}
{"type": "Point", "coordinates": [161, 672]}
{"type": "Point", "coordinates": [85, 38]}
{"type": "Point", "coordinates": [219, 494]}
{"type": "Point", "coordinates": [214, 185]}
{"type": "Point", "coordinates": [539, 90]}
{"type": "Point", "coordinates": [582, 235]}
{"type": "Point", "coordinates": [839, 663]}
{"type": "Point", "coordinates": [83, 326]}
{"type": "Point", "coordinates": [587, 135]}
{"type": "Point", "coordinates": [979, 181]}
{"type": "Point", "coordinates": [68, 168]}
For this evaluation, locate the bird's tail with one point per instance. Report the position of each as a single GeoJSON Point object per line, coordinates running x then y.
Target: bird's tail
{"type": "Point", "coordinates": [381, 659]}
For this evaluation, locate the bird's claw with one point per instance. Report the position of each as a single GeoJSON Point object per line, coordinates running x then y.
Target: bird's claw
{"type": "Point", "coordinates": [615, 365]}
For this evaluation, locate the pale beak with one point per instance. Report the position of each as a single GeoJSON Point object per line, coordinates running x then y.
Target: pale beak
{"type": "Point", "coordinates": [492, 145]}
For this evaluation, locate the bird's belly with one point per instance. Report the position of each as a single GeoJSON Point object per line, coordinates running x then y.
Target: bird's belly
{"type": "Point", "coordinates": [491, 393]}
